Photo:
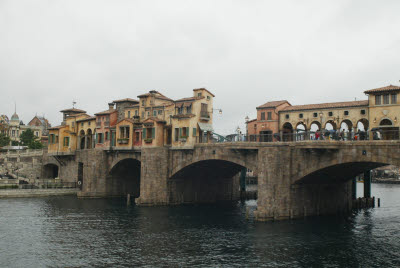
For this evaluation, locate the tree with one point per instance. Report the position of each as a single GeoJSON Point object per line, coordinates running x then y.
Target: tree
{"type": "Point", "coordinates": [4, 140]}
{"type": "Point", "coordinates": [29, 139]}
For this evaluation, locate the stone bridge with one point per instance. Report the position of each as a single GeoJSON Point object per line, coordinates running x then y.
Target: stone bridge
{"type": "Point", "coordinates": [294, 179]}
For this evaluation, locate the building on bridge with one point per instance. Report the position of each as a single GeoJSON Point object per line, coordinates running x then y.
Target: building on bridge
{"type": "Point", "coordinates": [152, 121]}
{"type": "Point", "coordinates": [280, 119]}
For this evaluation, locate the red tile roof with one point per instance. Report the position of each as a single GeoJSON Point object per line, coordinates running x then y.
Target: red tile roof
{"type": "Point", "coordinates": [272, 104]}
{"type": "Point", "coordinates": [326, 105]}
{"type": "Point", "coordinates": [87, 119]}
{"type": "Point", "coordinates": [106, 112]}
{"type": "Point", "coordinates": [197, 89]}
{"type": "Point", "coordinates": [126, 100]}
{"type": "Point", "coordinates": [383, 89]}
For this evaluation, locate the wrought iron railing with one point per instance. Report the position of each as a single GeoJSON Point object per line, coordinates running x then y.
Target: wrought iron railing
{"type": "Point", "coordinates": [313, 136]}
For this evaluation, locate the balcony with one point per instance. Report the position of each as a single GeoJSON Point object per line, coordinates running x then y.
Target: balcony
{"type": "Point", "coordinates": [205, 116]}
{"type": "Point", "coordinates": [123, 141]}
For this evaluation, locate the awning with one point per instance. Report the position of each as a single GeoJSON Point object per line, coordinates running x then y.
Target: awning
{"type": "Point", "coordinates": [205, 127]}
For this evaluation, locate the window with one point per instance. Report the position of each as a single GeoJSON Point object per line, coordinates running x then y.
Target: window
{"type": "Point", "coordinates": [129, 114]}
{"type": "Point", "coordinates": [142, 114]}
{"type": "Point", "coordinates": [269, 116]}
{"type": "Point", "coordinates": [124, 132]}
{"type": "Point", "coordinates": [82, 124]}
{"type": "Point", "coordinates": [378, 100]}
{"type": "Point", "coordinates": [198, 94]}
{"type": "Point", "coordinates": [100, 138]}
{"type": "Point", "coordinates": [330, 114]}
{"type": "Point", "coordinates": [184, 132]}
{"type": "Point", "coordinates": [136, 112]}
{"type": "Point", "coordinates": [362, 111]}
{"type": "Point", "coordinates": [143, 102]}
{"type": "Point", "coordinates": [66, 141]}
{"type": "Point", "coordinates": [386, 99]}
{"type": "Point", "coordinates": [262, 116]}
{"type": "Point", "coordinates": [176, 134]}
{"type": "Point", "coordinates": [315, 114]}
{"type": "Point", "coordinates": [89, 123]}
{"type": "Point", "coordinates": [208, 98]}
{"type": "Point", "coordinates": [148, 114]}
{"type": "Point", "coordinates": [194, 132]}
{"type": "Point", "coordinates": [13, 133]}
{"type": "Point", "coordinates": [159, 111]}
{"type": "Point", "coordinates": [189, 109]}
{"type": "Point", "coordinates": [346, 112]}
{"type": "Point", "coordinates": [180, 110]}
{"type": "Point", "coordinates": [154, 113]}
{"type": "Point", "coordinates": [394, 98]}
{"type": "Point", "coordinates": [300, 115]}
{"type": "Point", "coordinates": [287, 116]}
{"type": "Point", "coordinates": [73, 124]}
{"type": "Point", "coordinates": [107, 137]}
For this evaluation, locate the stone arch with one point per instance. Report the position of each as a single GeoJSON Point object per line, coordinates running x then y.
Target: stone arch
{"type": "Point", "coordinates": [124, 178]}
{"type": "Point", "coordinates": [206, 181]}
{"type": "Point", "coordinates": [365, 124]}
{"type": "Point", "coordinates": [287, 132]}
{"type": "Point", "coordinates": [82, 139]}
{"type": "Point", "coordinates": [386, 122]}
{"type": "Point", "coordinates": [332, 123]}
{"type": "Point", "coordinates": [50, 171]}
{"type": "Point", "coordinates": [315, 123]}
{"type": "Point", "coordinates": [301, 123]}
{"type": "Point", "coordinates": [348, 124]}
{"type": "Point", "coordinates": [89, 138]}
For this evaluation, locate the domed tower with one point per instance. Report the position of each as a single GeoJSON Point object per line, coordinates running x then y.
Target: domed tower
{"type": "Point", "coordinates": [14, 119]}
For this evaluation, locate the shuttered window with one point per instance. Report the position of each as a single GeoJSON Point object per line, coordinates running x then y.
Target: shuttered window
{"type": "Point", "coordinates": [153, 133]}
{"type": "Point", "coordinates": [194, 132]}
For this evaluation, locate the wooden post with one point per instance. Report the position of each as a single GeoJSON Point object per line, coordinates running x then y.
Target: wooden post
{"type": "Point", "coordinates": [128, 200]}
{"type": "Point", "coordinates": [373, 201]}
{"type": "Point", "coordinates": [379, 202]}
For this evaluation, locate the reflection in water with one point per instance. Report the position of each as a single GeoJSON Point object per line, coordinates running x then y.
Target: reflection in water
{"type": "Point", "coordinates": [66, 231]}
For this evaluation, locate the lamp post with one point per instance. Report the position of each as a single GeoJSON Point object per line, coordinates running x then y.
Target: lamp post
{"type": "Point", "coordinates": [247, 127]}
{"type": "Point", "coordinates": [238, 131]}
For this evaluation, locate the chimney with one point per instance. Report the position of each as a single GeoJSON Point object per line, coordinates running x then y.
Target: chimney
{"type": "Point", "coordinates": [111, 106]}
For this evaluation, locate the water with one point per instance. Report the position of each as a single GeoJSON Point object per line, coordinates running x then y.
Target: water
{"type": "Point", "coordinates": [69, 232]}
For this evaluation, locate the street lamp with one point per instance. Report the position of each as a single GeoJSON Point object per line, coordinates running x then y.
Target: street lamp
{"type": "Point", "coordinates": [219, 110]}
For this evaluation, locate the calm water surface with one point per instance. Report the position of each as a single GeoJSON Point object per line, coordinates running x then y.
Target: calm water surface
{"type": "Point", "coordinates": [69, 232]}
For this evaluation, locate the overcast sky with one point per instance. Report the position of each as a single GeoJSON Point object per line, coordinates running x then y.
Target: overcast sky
{"type": "Point", "coordinates": [245, 52]}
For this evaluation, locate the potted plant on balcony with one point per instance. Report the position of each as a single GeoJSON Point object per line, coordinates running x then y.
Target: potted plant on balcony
{"type": "Point", "coordinates": [148, 140]}
{"type": "Point", "coordinates": [183, 138]}
{"type": "Point", "coordinates": [123, 140]}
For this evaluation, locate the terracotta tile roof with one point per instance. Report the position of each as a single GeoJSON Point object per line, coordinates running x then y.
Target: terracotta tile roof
{"type": "Point", "coordinates": [73, 110]}
{"type": "Point", "coordinates": [326, 105]}
{"type": "Point", "coordinates": [57, 127]}
{"type": "Point", "coordinates": [106, 112]}
{"type": "Point", "coordinates": [272, 104]}
{"type": "Point", "coordinates": [197, 89]}
{"type": "Point", "coordinates": [189, 99]}
{"type": "Point", "coordinates": [383, 89]}
{"type": "Point", "coordinates": [126, 100]}
{"type": "Point", "coordinates": [87, 119]}
{"type": "Point", "coordinates": [156, 94]}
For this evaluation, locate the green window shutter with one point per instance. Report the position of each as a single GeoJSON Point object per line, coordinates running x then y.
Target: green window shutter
{"type": "Point", "coordinates": [180, 132]}
{"type": "Point", "coordinates": [144, 133]}
{"type": "Point", "coordinates": [153, 133]}
{"type": "Point", "coordinates": [97, 137]}
{"type": "Point", "coordinates": [187, 132]}
{"type": "Point", "coordinates": [194, 132]}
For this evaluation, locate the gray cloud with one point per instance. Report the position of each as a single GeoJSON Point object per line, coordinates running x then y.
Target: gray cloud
{"type": "Point", "coordinates": [245, 52]}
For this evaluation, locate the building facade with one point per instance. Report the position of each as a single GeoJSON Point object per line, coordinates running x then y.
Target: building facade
{"type": "Point", "coordinates": [280, 120]}
{"type": "Point", "coordinates": [152, 121]}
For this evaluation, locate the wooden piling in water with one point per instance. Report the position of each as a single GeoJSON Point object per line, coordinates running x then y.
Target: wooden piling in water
{"type": "Point", "coordinates": [128, 200]}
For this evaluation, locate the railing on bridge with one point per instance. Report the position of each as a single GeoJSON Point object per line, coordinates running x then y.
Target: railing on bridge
{"type": "Point", "coordinates": [328, 135]}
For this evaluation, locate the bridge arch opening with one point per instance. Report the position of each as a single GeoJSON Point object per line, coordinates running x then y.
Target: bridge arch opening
{"type": "Point", "coordinates": [208, 181]}
{"type": "Point", "coordinates": [50, 171]}
{"type": "Point", "coordinates": [301, 129]}
{"type": "Point", "coordinates": [332, 189]}
{"type": "Point", "coordinates": [124, 178]}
